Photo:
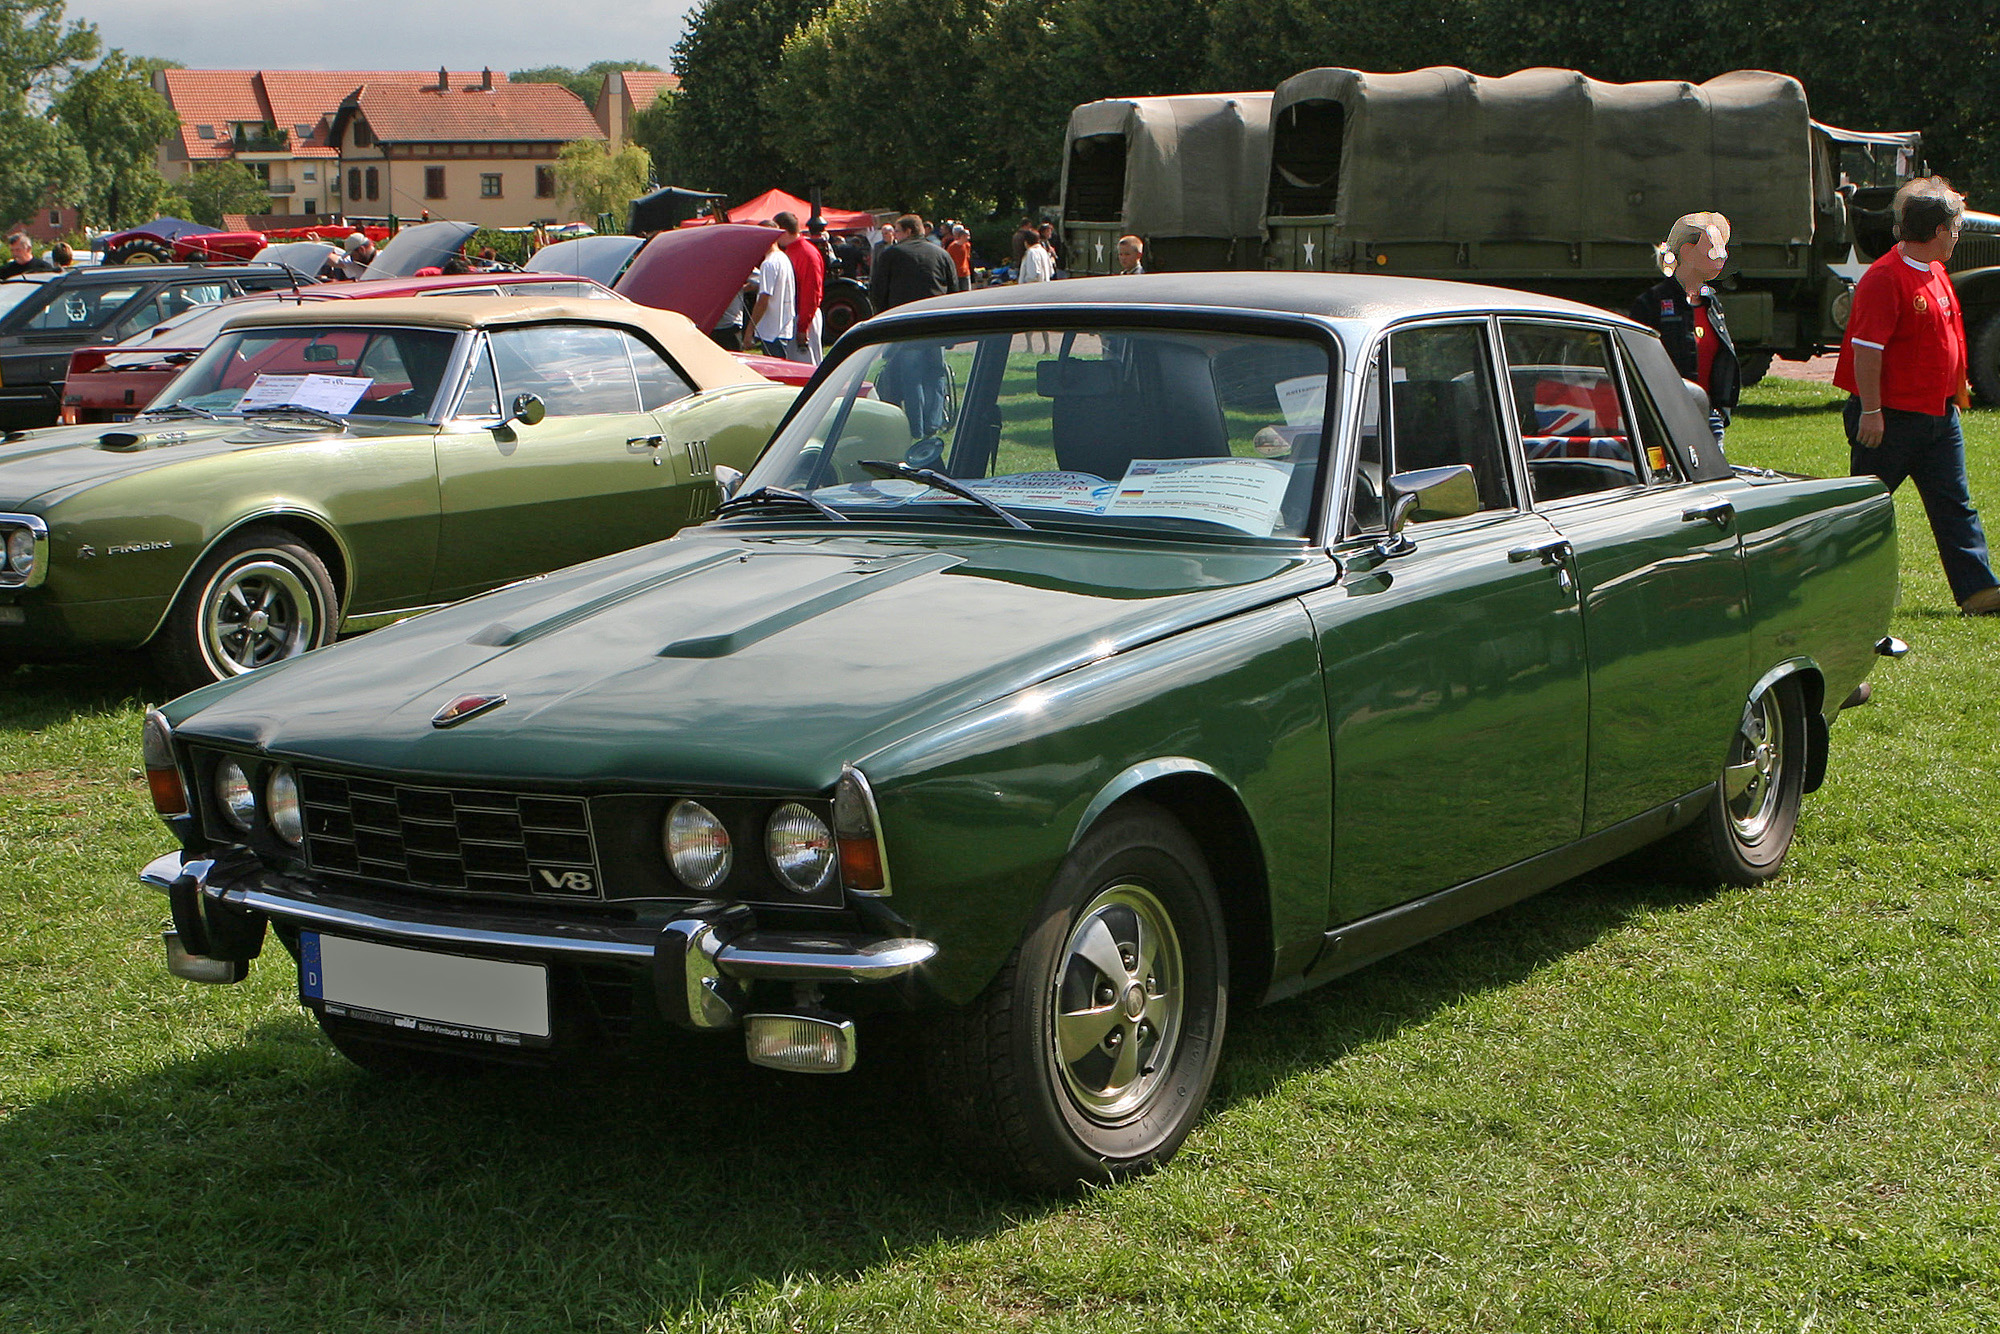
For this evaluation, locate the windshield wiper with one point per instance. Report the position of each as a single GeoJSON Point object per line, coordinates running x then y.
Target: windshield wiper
{"type": "Point", "coordinates": [297, 410]}
{"type": "Point", "coordinates": [765, 495]}
{"type": "Point", "coordinates": [933, 478]}
{"type": "Point", "coordinates": [177, 409]}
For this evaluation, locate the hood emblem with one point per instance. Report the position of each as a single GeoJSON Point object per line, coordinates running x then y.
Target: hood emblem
{"type": "Point", "coordinates": [464, 707]}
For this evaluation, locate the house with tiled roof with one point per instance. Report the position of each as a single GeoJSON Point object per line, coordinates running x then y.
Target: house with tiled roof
{"type": "Point", "coordinates": [483, 154]}
{"type": "Point", "coordinates": [277, 123]}
{"type": "Point", "coordinates": [624, 95]}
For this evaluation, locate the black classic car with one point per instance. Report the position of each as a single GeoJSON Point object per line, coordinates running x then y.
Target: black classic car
{"type": "Point", "coordinates": [45, 317]}
{"type": "Point", "coordinates": [1078, 661]}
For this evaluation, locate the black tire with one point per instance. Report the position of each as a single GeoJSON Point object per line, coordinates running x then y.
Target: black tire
{"type": "Point", "coordinates": [260, 596]}
{"type": "Point", "coordinates": [844, 305]}
{"type": "Point", "coordinates": [1742, 839]}
{"type": "Point", "coordinates": [1983, 365]}
{"type": "Point", "coordinates": [388, 1061]}
{"type": "Point", "coordinates": [1754, 366]}
{"type": "Point", "coordinates": [141, 250]}
{"type": "Point", "coordinates": [1048, 1116]}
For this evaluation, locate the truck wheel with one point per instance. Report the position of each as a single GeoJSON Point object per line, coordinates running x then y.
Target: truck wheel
{"type": "Point", "coordinates": [259, 597]}
{"type": "Point", "coordinates": [1091, 1054]}
{"type": "Point", "coordinates": [1983, 365]}
{"type": "Point", "coordinates": [1743, 836]}
{"type": "Point", "coordinates": [1754, 366]}
{"type": "Point", "coordinates": [844, 305]}
{"type": "Point", "coordinates": [141, 250]}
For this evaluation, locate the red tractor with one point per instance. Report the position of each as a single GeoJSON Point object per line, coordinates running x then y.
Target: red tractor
{"type": "Point", "coordinates": [175, 241]}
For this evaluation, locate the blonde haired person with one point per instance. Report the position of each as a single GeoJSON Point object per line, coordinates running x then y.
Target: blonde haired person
{"type": "Point", "coordinates": [1683, 307]}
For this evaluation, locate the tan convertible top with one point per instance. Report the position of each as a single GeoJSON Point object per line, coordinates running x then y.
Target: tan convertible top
{"type": "Point", "coordinates": [694, 351]}
{"type": "Point", "coordinates": [1548, 154]}
{"type": "Point", "coordinates": [1194, 165]}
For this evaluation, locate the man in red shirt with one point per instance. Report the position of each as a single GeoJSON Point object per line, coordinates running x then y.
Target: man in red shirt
{"type": "Point", "coordinates": [1903, 360]}
{"type": "Point", "coordinates": [960, 250]}
{"type": "Point", "coordinates": [809, 275]}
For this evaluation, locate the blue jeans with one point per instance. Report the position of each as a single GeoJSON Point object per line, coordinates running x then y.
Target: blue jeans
{"type": "Point", "coordinates": [1930, 451]}
{"type": "Point", "coordinates": [920, 386]}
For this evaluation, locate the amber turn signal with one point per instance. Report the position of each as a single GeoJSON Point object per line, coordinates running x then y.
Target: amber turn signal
{"type": "Point", "coordinates": [163, 776]}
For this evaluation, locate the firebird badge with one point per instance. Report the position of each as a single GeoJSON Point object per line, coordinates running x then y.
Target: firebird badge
{"type": "Point", "coordinates": [464, 707]}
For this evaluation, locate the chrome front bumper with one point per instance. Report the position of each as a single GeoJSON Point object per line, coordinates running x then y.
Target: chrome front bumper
{"type": "Point", "coordinates": [699, 962]}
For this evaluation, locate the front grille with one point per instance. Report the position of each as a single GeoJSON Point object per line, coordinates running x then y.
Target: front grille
{"type": "Point", "coordinates": [464, 839]}
{"type": "Point", "coordinates": [1976, 250]}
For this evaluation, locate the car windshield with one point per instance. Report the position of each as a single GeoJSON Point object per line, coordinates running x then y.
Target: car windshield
{"type": "Point", "coordinates": [1168, 430]}
{"type": "Point", "coordinates": [344, 370]}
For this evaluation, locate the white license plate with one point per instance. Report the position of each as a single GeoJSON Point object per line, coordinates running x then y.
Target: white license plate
{"type": "Point", "coordinates": [440, 995]}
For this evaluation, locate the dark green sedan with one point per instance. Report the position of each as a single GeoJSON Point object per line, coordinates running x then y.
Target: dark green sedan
{"type": "Point", "coordinates": [330, 466]}
{"type": "Point", "coordinates": [1080, 660]}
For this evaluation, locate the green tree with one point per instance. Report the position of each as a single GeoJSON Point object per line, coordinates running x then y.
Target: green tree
{"type": "Point", "coordinates": [586, 83]}
{"type": "Point", "coordinates": [113, 114]}
{"type": "Point", "coordinates": [880, 96]}
{"type": "Point", "coordinates": [600, 181]}
{"type": "Point", "coordinates": [713, 134]}
{"type": "Point", "coordinates": [38, 52]}
{"type": "Point", "coordinates": [217, 188]}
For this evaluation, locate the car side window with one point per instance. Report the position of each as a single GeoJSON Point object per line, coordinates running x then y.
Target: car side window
{"type": "Point", "coordinates": [1655, 446]}
{"type": "Point", "coordinates": [481, 398]}
{"type": "Point", "coordinates": [1573, 425]}
{"type": "Point", "coordinates": [1364, 507]}
{"type": "Point", "coordinates": [576, 370]}
{"type": "Point", "coordinates": [659, 383]}
{"type": "Point", "coordinates": [1442, 408]}
{"type": "Point", "coordinates": [82, 308]}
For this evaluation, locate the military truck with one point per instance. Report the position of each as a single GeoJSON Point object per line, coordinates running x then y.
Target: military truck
{"type": "Point", "coordinates": [1544, 180]}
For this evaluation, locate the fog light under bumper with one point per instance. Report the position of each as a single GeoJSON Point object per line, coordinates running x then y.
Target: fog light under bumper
{"type": "Point", "coordinates": [805, 1043]}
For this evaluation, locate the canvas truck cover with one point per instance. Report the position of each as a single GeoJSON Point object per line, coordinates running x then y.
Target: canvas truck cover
{"type": "Point", "coordinates": [1544, 154]}
{"type": "Point", "coordinates": [1191, 165]}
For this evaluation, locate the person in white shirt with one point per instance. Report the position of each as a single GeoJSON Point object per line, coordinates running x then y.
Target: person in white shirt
{"type": "Point", "coordinates": [1038, 265]}
{"type": "Point", "coordinates": [773, 318]}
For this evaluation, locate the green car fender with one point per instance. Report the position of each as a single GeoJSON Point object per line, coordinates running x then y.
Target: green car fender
{"type": "Point", "coordinates": [1223, 724]}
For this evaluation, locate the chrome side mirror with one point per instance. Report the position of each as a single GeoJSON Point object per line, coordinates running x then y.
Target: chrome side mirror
{"type": "Point", "coordinates": [528, 410]}
{"type": "Point", "coordinates": [727, 480]}
{"type": "Point", "coordinates": [1450, 492]}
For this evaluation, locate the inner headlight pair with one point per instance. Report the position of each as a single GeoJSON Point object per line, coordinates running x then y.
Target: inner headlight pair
{"type": "Point", "coordinates": [238, 800]}
{"type": "Point", "coordinates": [797, 843]}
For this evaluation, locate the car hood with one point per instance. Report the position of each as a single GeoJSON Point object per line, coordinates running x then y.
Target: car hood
{"type": "Point", "coordinates": [426, 245]}
{"type": "Point", "coordinates": [736, 659]}
{"type": "Point", "coordinates": [598, 258]}
{"type": "Point", "coordinates": [697, 271]}
{"type": "Point", "coordinates": [35, 465]}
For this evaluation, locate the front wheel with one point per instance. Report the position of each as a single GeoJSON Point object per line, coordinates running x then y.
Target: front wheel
{"type": "Point", "coordinates": [141, 250]}
{"type": "Point", "coordinates": [1091, 1054]}
{"type": "Point", "coordinates": [261, 596]}
{"type": "Point", "coordinates": [1744, 835]}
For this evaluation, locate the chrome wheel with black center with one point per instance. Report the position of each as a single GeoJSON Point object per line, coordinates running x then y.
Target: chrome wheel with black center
{"type": "Point", "coordinates": [260, 597]}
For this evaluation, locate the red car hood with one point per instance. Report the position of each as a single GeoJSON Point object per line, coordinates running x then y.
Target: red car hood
{"type": "Point", "coordinates": [697, 272]}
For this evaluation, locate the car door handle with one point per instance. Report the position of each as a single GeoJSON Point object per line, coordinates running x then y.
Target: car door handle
{"type": "Point", "coordinates": [1554, 552]}
{"type": "Point", "coordinates": [652, 442]}
{"type": "Point", "coordinates": [1718, 512]}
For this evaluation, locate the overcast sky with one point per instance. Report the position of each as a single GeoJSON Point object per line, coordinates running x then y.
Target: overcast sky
{"type": "Point", "coordinates": [355, 34]}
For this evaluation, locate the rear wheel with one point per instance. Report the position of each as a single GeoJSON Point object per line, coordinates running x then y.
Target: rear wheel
{"type": "Point", "coordinates": [1090, 1056]}
{"type": "Point", "coordinates": [844, 305]}
{"type": "Point", "coordinates": [1754, 366]}
{"type": "Point", "coordinates": [1983, 367]}
{"type": "Point", "coordinates": [261, 596]}
{"type": "Point", "coordinates": [1744, 835]}
{"type": "Point", "coordinates": [141, 250]}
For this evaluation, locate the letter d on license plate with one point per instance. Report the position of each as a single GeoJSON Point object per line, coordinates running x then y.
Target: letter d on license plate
{"type": "Point", "coordinates": [439, 995]}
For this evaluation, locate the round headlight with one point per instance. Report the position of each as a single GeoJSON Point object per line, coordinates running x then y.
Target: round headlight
{"type": "Point", "coordinates": [232, 793]}
{"type": "Point", "coordinates": [281, 802]}
{"type": "Point", "coordinates": [21, 551]}
{"type": "Point", "coordinates": [801, 848]}
{"type": "Point", "coordinates": [697, 845]}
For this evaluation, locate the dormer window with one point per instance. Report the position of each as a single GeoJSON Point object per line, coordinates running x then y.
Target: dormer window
{"type": "Point", "coordinates": [362, 138]}
{"type": "Point", "coordinates": [204, 131]}
{"type": "Point", "coordinates": [302, 131]}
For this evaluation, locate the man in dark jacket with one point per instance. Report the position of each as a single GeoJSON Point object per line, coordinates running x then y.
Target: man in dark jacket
{"type": "Point", "coordinates": [913, 378]}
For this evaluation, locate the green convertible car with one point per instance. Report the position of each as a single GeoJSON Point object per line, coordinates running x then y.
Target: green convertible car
{"type": "Point", "coordinates": [1080, 660]}
{"type": "Point", "coordinates": [325, 467]}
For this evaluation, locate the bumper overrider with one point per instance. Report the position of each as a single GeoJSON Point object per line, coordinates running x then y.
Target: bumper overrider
{"type": "Point", "coordinates": [703, 965]}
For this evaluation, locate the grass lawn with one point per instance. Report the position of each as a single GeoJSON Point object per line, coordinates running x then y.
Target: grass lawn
{"type": "Point", "coordinates": [1619, 1106]}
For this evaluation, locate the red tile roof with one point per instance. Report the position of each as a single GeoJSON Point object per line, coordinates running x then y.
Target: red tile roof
{"type": "Point", "coordinates": [517, 112]}
{"type": "Point", "coordinates": [282, 97]}
{"type": "Point", "coordinates": [644, 86]}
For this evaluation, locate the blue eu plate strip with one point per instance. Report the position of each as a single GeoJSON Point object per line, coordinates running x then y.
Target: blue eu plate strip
{"type": "Point", "coordinates": [310, 983]}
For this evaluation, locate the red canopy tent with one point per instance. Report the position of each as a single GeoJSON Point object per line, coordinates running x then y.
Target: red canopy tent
{"type": "Point", "coordinates": [773, 202]}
